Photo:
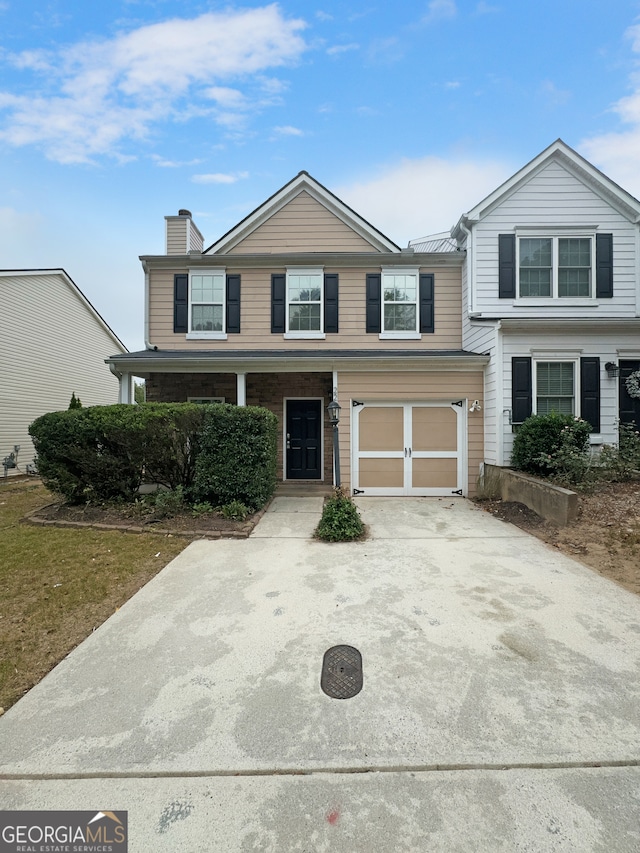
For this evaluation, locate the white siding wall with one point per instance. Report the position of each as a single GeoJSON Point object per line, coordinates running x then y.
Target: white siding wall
{"type": "Point", "coordinates": [51, 346]}
{"type": "Point", "coordinates": [551, 197]}
{"type": "Point", "coordinates": [483, 338]}
{"type": "Point", "coordinates": [606, 346]}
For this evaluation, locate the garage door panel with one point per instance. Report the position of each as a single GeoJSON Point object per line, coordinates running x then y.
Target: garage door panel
{"type": "Point", "coordinates": [434, 474]}
{"type": "Point", "coordinates": [434, 428]}
{"type": "Point", "coordinates": [382, 473]}
{"type": "Point", "coordinates": [381, 428]}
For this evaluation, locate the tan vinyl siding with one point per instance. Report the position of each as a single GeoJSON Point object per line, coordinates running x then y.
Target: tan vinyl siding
{"type": "Point", "coordinates": [177, 235]}
{"type": "Point", "coordinates": [302, 225]}
{"type": "Point", "coordinates": [51, 346]}
{"type": "Point", "coordinates": [255, 314]}
{"type": "Point", "coordinates": [419, 386]}
{"type": "Point", "coordinates": [555, 197]}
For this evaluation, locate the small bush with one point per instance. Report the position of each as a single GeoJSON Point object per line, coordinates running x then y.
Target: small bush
{"type": "Point", "coordinates": [75, 402]}
{"type": "Point", "coordinates": [622, 462]}
{"type": "Point", "coordinates": [169, 502]}
{"type": "Point", "coordinates": [340, 520]}
{"type": "Point", "coordinates": [235, 510]}
{"type": "Point", "coordinates": [201, 508]}
{"type": "Point", "coordinates": [541, 438]}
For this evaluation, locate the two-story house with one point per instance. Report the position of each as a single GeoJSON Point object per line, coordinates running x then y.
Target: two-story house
{"type": "Point", "coordinates": [551, 290]}
{"type": "Point", "coordinates": [435, 353]}
{"type": "Point", "coordinates": [302, 302]}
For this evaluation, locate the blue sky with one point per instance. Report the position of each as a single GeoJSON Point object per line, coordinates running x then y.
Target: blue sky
{"type": "Point", "coordinates": [113, 115]}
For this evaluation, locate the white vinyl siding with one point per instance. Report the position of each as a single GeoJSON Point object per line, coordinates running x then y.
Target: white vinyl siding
{"type": "Point", "coordinates": [52, 345]}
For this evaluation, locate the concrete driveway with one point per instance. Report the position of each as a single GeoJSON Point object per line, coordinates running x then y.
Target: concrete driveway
{"type": "Point", "coordinates": [500, 709]}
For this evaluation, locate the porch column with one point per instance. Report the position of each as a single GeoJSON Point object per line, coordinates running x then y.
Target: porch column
{"type": "Point", "coordinates": [125, 390]}
{"type": "Point", "coordinates": [241, 388]}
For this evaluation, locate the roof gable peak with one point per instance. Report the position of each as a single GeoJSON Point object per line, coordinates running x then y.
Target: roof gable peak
{"type": "Point", "coordinates": [302, 182]}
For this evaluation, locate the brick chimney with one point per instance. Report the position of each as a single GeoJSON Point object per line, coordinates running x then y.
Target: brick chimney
{"type": "Point", "coordinates": [182, 235]}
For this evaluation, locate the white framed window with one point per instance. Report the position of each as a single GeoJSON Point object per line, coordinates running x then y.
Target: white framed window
{"type": "Point", "coordinates": [205, 401]}
{"type": "Point", "coordinates": [555, 387]}
{"type": "Point", "coordinates": [305, 303]}
{"type": "Point", "coordinates": [400, 303]}
{"type": "Point", "coordinates": [207, 290]}
{"type": "Point", "coordinates": [556, 267]}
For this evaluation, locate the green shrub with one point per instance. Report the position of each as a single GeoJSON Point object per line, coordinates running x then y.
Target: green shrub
{"type": "Point", "coordinates": [91, 454]}
{"type": "Point", "coordinates": [237, 456]}
{"type": "Point", "coordinates": [622, 461]}
{"type": "Point", "coordinates": [340, 520]}
{"type": "Point", "coordinates": [106, 452]}
{"type": "Point", "coordinates": [235, 510]}
{"type": "Point", "coordinates": [169, 502]}
{"type": "Point", "coordinates": [75, 402]}
{"type": "Point", "coordinates": [541, 438]}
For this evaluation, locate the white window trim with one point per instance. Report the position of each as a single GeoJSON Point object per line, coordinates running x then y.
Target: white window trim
{"type": "Point", "coordinates": [555, 235]}
{"type": "Point", "coordinates": [545, 359]}
{"type": "Point", "coordinates": [408, 335]}
{"type": "Point", "coordinates": [209, 336]}
{"type": "Point", "coordinates": [317, 335]}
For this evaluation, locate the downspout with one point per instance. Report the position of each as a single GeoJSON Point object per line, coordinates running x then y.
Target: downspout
{"type": "Point", "coordinates": [471, 272]}
{"type": "Point", "coordinates": [147, 343]}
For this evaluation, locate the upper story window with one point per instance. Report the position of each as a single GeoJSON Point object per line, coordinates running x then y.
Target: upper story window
{"type": "Point", "coordinates": [206, 304]}
{"type": "Point", "coordinates": [400, 302]}
{"type": "Point", "coordinates": [207, 298]}
{"type": "Point", "coordinates": [304, 301]}
{"type": "Point", "coordinates": [562, 266]}
{"type": "Point", "coordinates": [556, 267]}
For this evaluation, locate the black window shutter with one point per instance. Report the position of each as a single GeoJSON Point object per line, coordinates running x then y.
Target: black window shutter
{"type": "Point", "coordinates": [331, 302]}
{"type": "Point", "coordinates": [521, 389]}
{"type": "Point", "coordinates": [278, 302]}
{"type": "Point", "coordinates": [181, 303]}
{"type": "Point", "coordinates": [233, 304]}
{"type": "Point", "coordinates": [604, 266]}
{"type": "Point", "coordinates": [374, 297]}
{"type": "Point", "coordinates": [590, 392]}
{"type": "Point", "coordinates": [507, 266]}
{"type": "Point", "coordinates": [426, 303]}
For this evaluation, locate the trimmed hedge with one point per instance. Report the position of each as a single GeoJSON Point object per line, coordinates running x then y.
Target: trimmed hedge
{"type": "Point", "coordinates": [104, 453]}
{"type": "Point", "coordinates": [238, 456]}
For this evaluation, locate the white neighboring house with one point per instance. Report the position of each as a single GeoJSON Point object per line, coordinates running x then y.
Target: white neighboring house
{"type": "Point", "coordinates": [551, 291]}
{"type": "Point", "coordinates": [53, 344]}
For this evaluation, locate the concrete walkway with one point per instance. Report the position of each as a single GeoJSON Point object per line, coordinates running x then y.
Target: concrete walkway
{"type": "Point", "coordinates": [500, 709]}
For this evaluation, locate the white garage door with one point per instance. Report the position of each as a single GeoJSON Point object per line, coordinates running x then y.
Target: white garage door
{"type": "Point", "coordinates": [409, 448]}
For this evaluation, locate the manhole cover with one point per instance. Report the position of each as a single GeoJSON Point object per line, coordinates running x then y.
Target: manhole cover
{"type": "Point", "coordinates": [341, 672]}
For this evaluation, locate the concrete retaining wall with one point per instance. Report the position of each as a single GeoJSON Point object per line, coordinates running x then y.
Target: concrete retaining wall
{"type": "Point", "coordinates": [553, 503]}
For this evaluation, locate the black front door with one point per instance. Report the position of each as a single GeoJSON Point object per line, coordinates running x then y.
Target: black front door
{"type": "Point", "coordinates": [303, 440]}
{"type": "Point", "coordinates": [629, 406]}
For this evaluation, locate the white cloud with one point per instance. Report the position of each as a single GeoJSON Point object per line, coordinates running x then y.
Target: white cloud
{"type": "Point", "coordinates": [288, 130]}
{"type": "Point", "coordinates": [163, 163]}
{"type": "Point", "coordinates": [440, 10]}
{"type": "Point", "coordinates": [219, 178]}
{"type": "Point", "coordinates": [484, 8]}
{"type": "Point", "coordinates": [419, 197]}
{"type": "Point", "coordinates": [342, 48]}
{"type": "Point", "coordinates": [617, 152]}
{"type": "Point", "coordinates": [94, 96]}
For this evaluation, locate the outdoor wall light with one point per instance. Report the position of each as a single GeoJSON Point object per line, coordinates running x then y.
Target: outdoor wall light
{"type": "Point", "coordinates": [612, 369]}
{"type": "Point", "coordinates": [333, 410]}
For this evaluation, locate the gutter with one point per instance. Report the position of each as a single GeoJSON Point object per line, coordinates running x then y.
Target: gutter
{"type": "Point", "coordinates": [471, 272]}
